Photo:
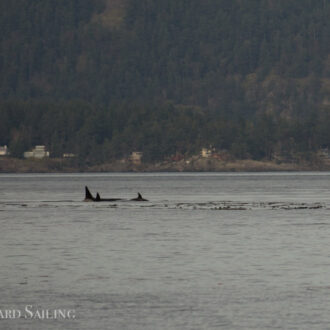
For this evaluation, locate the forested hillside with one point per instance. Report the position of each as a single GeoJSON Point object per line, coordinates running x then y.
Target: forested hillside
{"type": "Point", "coordinates": [102, 78]}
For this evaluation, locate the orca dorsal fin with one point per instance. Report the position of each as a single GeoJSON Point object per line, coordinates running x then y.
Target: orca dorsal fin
{"type": "Point", "coordinates": [88, 195]}
{"type": "Point", "coordinates": [98, 197]}
{"type": "Point", "coordinates": [139, 198]}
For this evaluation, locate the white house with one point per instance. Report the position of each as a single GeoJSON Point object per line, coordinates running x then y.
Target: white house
{"type": "Point", "coordinates": [38, 152]}
{"type": "Point", "coordinates": [206, 153]}
{"type": "Point", "coordinates": [4, 151]}
{"type": "Point", "coordinates": [136, 157]}
{"type": "Point", "coordinates": [69, 155]}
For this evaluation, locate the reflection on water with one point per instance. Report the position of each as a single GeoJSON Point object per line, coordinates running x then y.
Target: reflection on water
{"type": "Point", "coordinates": [222, 206]}
{"type": "Point", "coordinates": [179, 261]}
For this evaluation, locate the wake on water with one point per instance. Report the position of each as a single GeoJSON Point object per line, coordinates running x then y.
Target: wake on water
{"type": "Point", "coordinates": [212, 205]}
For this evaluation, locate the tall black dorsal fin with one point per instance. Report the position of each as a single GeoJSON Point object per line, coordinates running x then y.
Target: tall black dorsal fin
{"type": "Point", "coordinates": [139, 198]}
{"type": "Point", "coordinates": [88, 195]}
{"type": "Point", "coordinates": [98, 197]}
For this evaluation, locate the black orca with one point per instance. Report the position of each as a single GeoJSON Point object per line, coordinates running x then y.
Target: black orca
{"type": "Point", "coordinates": [90, 198]}
{"type": "Point", "coordinates": [99, 199]}
{"type": "Point", "coordinates": [139, 198]}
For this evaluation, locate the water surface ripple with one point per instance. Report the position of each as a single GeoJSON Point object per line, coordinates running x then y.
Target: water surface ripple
{"type": "Point", "coordinates": [207, 251]}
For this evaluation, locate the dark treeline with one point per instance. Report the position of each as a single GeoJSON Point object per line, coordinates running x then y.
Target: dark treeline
{"type": "Point", "coordinates": [99, 134]}
{"type": "Point", "coordinates": [251, 77]}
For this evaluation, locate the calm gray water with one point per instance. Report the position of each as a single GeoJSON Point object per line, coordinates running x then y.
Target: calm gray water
{"type": "Point", "coordinates": [207, 251]}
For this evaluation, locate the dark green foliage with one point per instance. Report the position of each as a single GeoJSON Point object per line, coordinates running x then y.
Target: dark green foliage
{"type": "Point", "coordinates": [249, 77]}
{"type": "Point", "coordinates": [188, 52]}
{"type": "Point", "coordinates": [99, 134]}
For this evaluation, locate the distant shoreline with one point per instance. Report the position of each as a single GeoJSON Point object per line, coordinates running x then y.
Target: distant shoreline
{"type": "Point", "coordinates": [14, 165]}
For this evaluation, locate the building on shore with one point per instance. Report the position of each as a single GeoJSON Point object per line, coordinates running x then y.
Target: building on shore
{"type": "Point", "coordinates": [324, 153]}
{"type": "Point", "coordinates": [206, 153]}
{"type": "Point", "coordinates": [69, 155]}
{"type": "Point", "coordinates": [38, 152]}
{"type": "Point", "coordinates": [4, 151]}
{"type": "Point", "coordinates": [136, 157]}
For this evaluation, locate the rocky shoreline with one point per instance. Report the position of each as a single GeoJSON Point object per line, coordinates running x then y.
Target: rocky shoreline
{"type": "Point", "coordinates": [14, 165]}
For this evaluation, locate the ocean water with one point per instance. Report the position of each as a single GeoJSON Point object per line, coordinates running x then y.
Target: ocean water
{"type": "Point", "coordinates": [207, 251]}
